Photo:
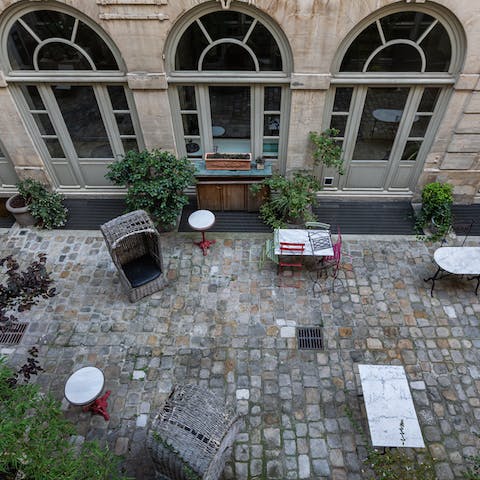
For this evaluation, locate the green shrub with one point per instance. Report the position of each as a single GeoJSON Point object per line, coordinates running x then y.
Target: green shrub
{"type": "Point", "coordinates": [327, 150]}
{"type": "Point", "coordinates": [46, 206]}
{"type": "Point", "coordinates": [155, 182]}
{"type": "Point", "coordinates": [35, 438]}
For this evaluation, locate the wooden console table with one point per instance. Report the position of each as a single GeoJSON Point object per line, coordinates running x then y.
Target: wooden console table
{"type": "Point", "coordinates": [229, 189]}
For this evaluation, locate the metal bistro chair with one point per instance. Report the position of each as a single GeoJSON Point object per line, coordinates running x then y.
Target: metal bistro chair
{"type": "Point", "coordinates": [291, 256]}
{"type": "Point", "coordinates": [317, 226]}
{"type": "Point", "coordinates": [461, 229]}
{"type": "Point", "coordinates": [193, 434]}
{"type": "Point", "coordinates": [134, 245]}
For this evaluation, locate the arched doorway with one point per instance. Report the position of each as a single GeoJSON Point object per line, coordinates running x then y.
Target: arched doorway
{"type": "Point", "coordinates": [229, 73]}
{"type": "Point", "coordinates": [392, 80]}
{"type": "Point", "coordinates": [70, 86]}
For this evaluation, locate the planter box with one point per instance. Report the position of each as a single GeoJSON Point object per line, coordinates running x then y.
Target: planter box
{"type": "Point", "coordinates": [227, 163]}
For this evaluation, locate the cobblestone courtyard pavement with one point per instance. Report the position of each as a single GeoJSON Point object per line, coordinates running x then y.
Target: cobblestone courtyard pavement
{"type": "Point", "coordinates": [225, 324]}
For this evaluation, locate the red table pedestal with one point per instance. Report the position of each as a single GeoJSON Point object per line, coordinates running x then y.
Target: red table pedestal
{"type": "Point", "coordinates": [204, 244]}
{"type": "Point", "coordinates": [99, 406]}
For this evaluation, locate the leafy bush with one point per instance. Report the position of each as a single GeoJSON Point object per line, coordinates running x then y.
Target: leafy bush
{"type": "Point", "coordinates": [327, 150]}
{"type": "Point", "coordinates": [46, 206]}
{"type": "Point", "coordinates": [35, 439]}
{"type": "Point", "coordinates": [437, 200]}
{"type": "Point", "coordinates": [155, 181]}
{"type": "Point", "coordinates": [290, 200]}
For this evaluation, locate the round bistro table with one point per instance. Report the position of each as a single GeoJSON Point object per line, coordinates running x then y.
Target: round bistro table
{"type": "Point", "coordinates": [202, 220]}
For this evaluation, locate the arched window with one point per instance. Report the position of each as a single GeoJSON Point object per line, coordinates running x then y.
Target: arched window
{"type": "Point", "coordinates": [59, 68]}
{"type": "Point", "coordinates": [392, 78]}
{"type": "Point", "coordinates": [206, 55]}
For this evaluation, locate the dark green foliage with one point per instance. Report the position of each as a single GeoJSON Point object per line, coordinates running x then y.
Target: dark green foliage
{"type": "Point", "coordinates": [328, 150]}
{"type": "Point", "coordinates": [35, 439]}
{"type": "Point", "coordinates": [155, 181]}
{"type": "Point", "coordinates": [46, 206]}
{"type": "Point", "coordinates": [290, 200]}
{"type": "Point", "coordinates": [437, 200]}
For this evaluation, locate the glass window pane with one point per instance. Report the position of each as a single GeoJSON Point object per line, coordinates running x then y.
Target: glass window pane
{"type": "Point", "coordinates": [20, 46]}
{"type": "Point", "coordinates": [273, 97]}
{"type": "Point", "coordinates": [190, 124]}
{"type": "Point", "coordinates": [271, 126]}
{"type": "Point", "coordinates": [194, 148]}
{"type": "Point", "coordinates": [117, 97]}
{"type": "Point", "coordinates": [32, 96]}
{"type": "Point", "coordinates": [382, 113]}
{"type": "Point", "coordinates": [190, 47]}
{"type": "Point", "coordinates": [54, 148]}
{"type": "Point", "coordinates": [429, 99]}
{"type": "Point", "coordinates": [186, 95]}
{"type": "Point", "coordinates": [50, 24]}
{"type": "Point", "coordinates": [360, 49]}
{"type": "Point", "coordinates": [420, 125]}
{"type": "Point", "coordinates": [411, 150]}
{"type": "Point", "coordinates": [438, 49]}
{"type": "Point", "coordinates": [95, 47]}
{"type": "Point", "coordinates": [83, 120]}
{"type": "Point", "coordinates": [343, 96]}
{"type": "Point", "coordinates": [265, 47]}
{"type": "Point", "coordinates": [408, 25]}
{"type": "Point", "coordinates": [228, 56]}
{"type": "Point", "coordinates": [396, 58]}
{"type": "Point", "coordinates": [59, 56]}
{"type": "Point", "coordinates": [270, 148]}
{"type": "Point", "coordinates": [130, 144]}
{"type": "Point", "coordinates": [227, 24]}
{"type": "Point", "coordinates": [44, 124]}
{"type": "Point", "coordinates": [340, 123]}
{"type": "Point", "coordinates": [125, 125]}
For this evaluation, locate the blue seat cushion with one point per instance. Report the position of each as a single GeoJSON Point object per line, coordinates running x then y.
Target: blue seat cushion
{"type": "Point", "coordinates": [141, 270]}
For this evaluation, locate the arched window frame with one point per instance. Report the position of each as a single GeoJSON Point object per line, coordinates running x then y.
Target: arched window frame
{"type": "Point", "coordinates": [361, 81]}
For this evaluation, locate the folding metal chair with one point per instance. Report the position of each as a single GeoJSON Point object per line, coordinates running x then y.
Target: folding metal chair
{"type": "Point", "coordinates": [291, 256]}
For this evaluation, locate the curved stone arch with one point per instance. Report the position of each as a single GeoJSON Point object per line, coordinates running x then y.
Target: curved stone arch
{"type": "Point", "coordinates": [448, 20]}
{"type": "Point", "coordinates": [14, 13]}
{"type": "Point", "coordinates": [233, 42]}
{"type": "Point", "coordinates": [191, 16]}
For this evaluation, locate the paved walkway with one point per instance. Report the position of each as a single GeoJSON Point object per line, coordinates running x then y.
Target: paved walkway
{"type": "Point", "coordinates": [225, 325]}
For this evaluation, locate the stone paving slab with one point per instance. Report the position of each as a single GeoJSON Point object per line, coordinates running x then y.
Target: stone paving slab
{"type": "Point", "coordinates": [223, 323]}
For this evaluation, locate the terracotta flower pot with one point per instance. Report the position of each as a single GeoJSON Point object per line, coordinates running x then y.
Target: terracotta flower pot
{"type": "Point", "coordinates": [16, 206]}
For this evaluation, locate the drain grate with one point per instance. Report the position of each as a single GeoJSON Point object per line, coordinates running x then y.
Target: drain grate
{"type": "Point", "coordinates": [309, 338]}
{"type": "Point", "coordinates": [13, 334]}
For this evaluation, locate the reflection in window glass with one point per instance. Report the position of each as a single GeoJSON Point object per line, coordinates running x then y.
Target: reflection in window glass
{"type": "Point", "coordinates": [420, 125]}
{"type": "Point", "coordinates": [80, 111]}
{"type": "Point", "coordinates": [190, 47]}
{"type": "Point", "coordinates": [54, 148]}
{"type": "Point", "coordinates": [343, 96]}
{"type": "Point", "coordinates": [49, 24]}
{"type": "Point", "coordinates": [273, 97]}
{"type": "Point", "coordinates": [190, 124]}
{"type": "Point", "coordinates": [186, 95]}
{"type": "Point", "coordinates": [266, 49]}
{"type": "Point", "coordinates": [129, 144]}
{"type": "Point", "coordinates": [381, 117]}
{"type": "Point", "coordinates": [270, 148]}
{"type": "Point", "coordinates": [194, 148]}
{"type": "Point", "coordinates": [429, 99]}
{"type": "Point", "coordinates": [32, 96]}
{"type": "Point", "coordinates": [227, 25]}
{"type": "Point", "coordinates": [340, 123]}
{"type": "Point", "coordinates": [44, 124]}
{"type": "Point", "coordinates": [228, 56]}
{"type": "Point", "coordinates": [438, 49]}
{"type": "Point", "coordinates": [59, 56]}
{"type": "Point", "coordinates": [360, 49]}
{"type": "Point", "coordinates": [410, 152]}
{"type": "Point", "coordinates": [20, 46]}
{"type": "Point", "coordinates": [117, 97]}
{"type": "Point", "coordinates": [271, 127]}
{"type": "Point", "coordinates": [95, 47]}
{"type": "Point", "coordinates": [125, 125]}
{"type": "Point", "coordinates": [396, 58]}
{"type": "Point", "coordinates": [408, 25]}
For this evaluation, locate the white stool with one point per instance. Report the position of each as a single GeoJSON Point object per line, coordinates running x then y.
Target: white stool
{"type": "Point", "coordinates": [202, 220]}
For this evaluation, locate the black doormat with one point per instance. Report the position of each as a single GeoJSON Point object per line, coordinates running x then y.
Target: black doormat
{"type": "Point", "coordinates": [6, 220]}
{"type": "Point", "coordinates": [463, 214]}
{"type": "Point", "coordinates": [89, 214]}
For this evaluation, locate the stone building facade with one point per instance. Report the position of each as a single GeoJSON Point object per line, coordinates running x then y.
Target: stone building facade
{"type": "Point", "coordinates": [83, 81]}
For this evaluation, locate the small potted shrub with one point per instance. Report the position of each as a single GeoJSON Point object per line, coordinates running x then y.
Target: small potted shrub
{"type": "Point", "coordinates": [35, 204]}
{"type": "Point", "coordinates": [327, 150]}
{"type": "Point", "coordinates": [290, 200]}
{"type": "Point", "coordinates": [436, 211]}
{"type": "Point", "coordinates": [155, 182]}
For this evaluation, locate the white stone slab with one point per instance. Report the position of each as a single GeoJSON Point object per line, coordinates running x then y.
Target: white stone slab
{"type": "Point", "coordinates": [317, 242]}
{"type": "Point", "coordinates": [84, 386]}
{"type": "Point", "coordinates": [458, 260]}
{"type": "Point", "coordinates": [388, 402]}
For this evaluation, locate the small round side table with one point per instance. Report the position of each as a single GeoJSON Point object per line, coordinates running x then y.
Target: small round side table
{"type": "Point", "coordinates": [202, 220]}
{"type": "Point", "coordinates": [83, 388]}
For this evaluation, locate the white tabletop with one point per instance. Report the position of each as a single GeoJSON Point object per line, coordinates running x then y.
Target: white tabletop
{"type": "Point", "coordinates": [201, 220]}
{"type": "Point", "coordinates": [388, 401]}
{"type": "Point", "coordinates": [317, 242]}
{"type": "Point", "coordinates": [458, 260]}
{"type": "Point", "coordinates": [389, 115]}
{"type": "Point", "coordinates": [217, 130]}
{"type": "Point", "coordinates": [84, 386]}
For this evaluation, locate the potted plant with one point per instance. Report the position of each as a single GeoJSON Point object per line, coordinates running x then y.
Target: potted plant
{"type": "Point", "coordinates": [436, 211]}
{"type": "Point", "coordinates": [155, 182]}
{"type": "Point", "coordinates": [34, 203]}
{"type": "Point", "coordinates": [228, 161]}
{"type": "Point", "coordinates": [327, 150]}
{"type": "Point", "coordinates": [290, 199]}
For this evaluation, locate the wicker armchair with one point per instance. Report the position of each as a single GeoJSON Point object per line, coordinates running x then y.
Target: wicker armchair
{"type": "Point", "coordinates": [192, 436]}
{"type": "Point", "coordinates": [134, 245]}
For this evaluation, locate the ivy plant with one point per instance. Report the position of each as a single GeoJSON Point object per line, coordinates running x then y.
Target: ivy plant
{"type": "Point", "coordinates": [155, 182]}
{"type": "Point", "coordinates": [327, 150]}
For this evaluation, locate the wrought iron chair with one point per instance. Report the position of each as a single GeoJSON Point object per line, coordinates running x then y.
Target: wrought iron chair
{"type": "Point", "coordinates": [193, 434]}
{"type": "Point", "coordinates": [461, 229]}
{"type": "Point", "coordinates": [134, 245]}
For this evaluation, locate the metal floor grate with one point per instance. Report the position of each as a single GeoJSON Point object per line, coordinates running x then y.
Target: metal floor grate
{"type": "Point", "coordinates": [13, 334]}
{"type": "Point", "coordinates": [309, 338]}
